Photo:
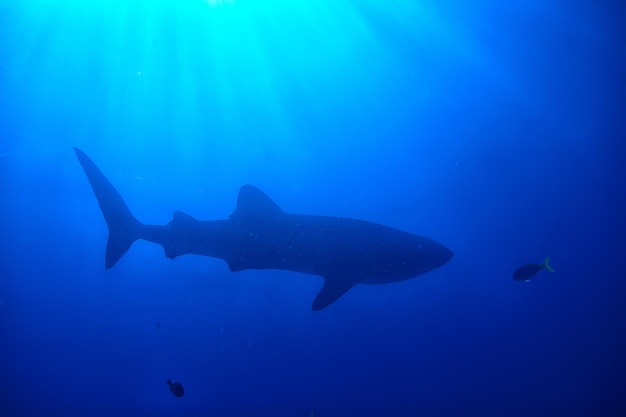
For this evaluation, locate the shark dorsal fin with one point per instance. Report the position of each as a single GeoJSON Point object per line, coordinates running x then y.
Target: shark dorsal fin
{"type": "Point", "coordinates": [180, 217]}
{"type": "Point", "coordinates": [253, 203]}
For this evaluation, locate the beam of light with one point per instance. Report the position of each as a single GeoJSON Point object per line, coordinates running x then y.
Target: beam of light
{"type": "Point", "coordinates": [248, 75]}
{"type": "Point", "coordinates": [215, 3]}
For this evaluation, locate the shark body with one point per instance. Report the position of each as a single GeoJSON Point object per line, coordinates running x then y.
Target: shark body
{"type": "Point", "coordinates": [260, 235]}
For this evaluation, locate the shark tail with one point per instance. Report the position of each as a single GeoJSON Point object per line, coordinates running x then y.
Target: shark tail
{"type": "Point", "coordinates": [547, 266]}
{"type": "Point", "coordinates": [124, 228]}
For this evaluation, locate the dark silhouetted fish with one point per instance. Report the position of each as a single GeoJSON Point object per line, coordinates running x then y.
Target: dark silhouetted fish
{"type": "Point", "coordinates": [260, 235]}
{"type": "Point", "coordinates": [526, 272]}
{"type": "Point", "coordinates": [176, 388]}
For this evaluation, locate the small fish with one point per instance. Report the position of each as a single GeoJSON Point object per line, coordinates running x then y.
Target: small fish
{"type": "Point", "coordinates": [176, 388]}
{"type": "Point", "coordinates": [526, 272]}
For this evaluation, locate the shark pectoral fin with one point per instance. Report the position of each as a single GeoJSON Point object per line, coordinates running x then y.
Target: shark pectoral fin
{"type": "Point", "coordinates": [333, 288]}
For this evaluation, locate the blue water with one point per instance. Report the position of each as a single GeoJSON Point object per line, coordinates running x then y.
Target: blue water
{"type": "Point", "coordinates": [495, 128]}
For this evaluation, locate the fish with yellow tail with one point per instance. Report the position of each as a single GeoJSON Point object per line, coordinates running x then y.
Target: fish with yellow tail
{"type": "Point", "coordinates": [526, 272]}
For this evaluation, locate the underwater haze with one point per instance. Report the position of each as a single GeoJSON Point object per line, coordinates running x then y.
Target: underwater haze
{"type": "Point", "coordinates": [495, 128]}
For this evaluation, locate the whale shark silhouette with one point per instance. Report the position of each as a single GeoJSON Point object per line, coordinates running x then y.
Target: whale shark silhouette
{"type": "Point", "coordinates": [260, 235]}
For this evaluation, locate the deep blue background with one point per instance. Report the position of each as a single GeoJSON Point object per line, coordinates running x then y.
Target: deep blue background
{"type": "Point", "coordinates": [494, 127]}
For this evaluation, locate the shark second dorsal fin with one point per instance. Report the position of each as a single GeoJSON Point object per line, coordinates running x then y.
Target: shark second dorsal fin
{"type": "Point", "coordinates": [332, 289]}
{"type": "Point", "coordinates": [253, 203]}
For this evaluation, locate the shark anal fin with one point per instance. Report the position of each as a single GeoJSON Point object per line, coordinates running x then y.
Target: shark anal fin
{"type": "Point", "coordinates": [333, 288]}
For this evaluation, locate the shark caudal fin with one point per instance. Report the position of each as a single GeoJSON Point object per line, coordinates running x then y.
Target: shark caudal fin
{"type": "Point", "coordinates": [547, 266]}
{"type": "Point", "coordinates": [124, 228]}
